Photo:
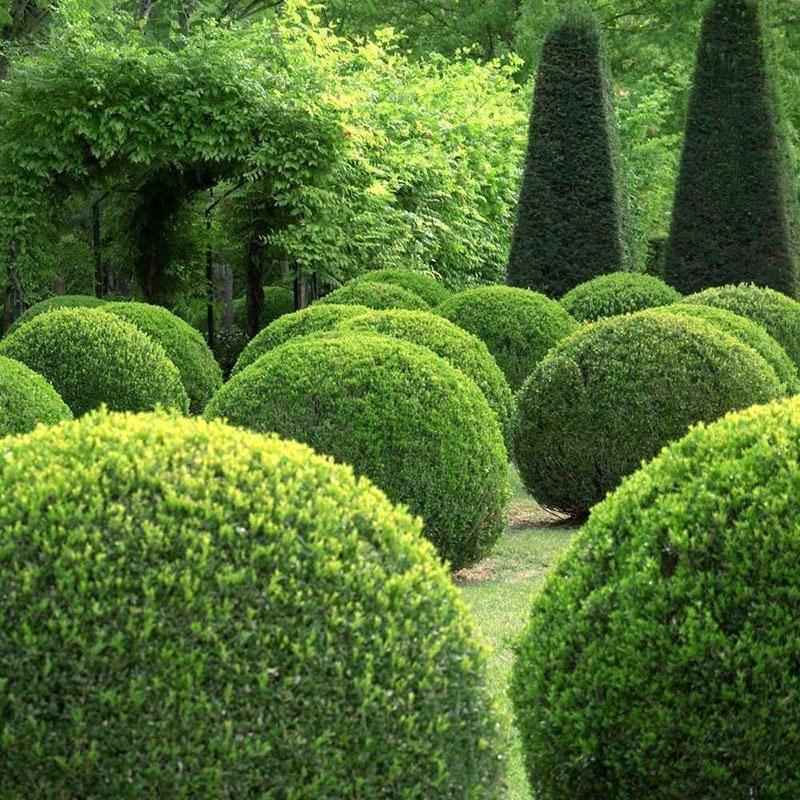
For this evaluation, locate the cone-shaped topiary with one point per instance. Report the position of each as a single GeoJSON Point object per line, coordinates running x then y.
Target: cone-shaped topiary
{"type": "Point", "coordinates": [732, 219]}
{"type": "Point", "coordinates": [518, 326]}
{"type": "Point", "coordinates": [59, 301]}
{"type": "Point", "coordinates": [193, 611]}
{"type": "Point", "coordinates": [380, 296]}
{"type": "Point", "coordinates": [401, 415]}
{"type": "Point", "coordinates": [91, 357]}
{"type": "Point", "coordinates": [661, 660]}
{"type": "Point", "coordinates": [422, 284]}
{"type": "Point", "coordinates": [617, 293]}
{"type": "Point", "coordinates": [318, 318]}
{"type": "Point", "coordinates": [183, 344]}
{"type": "Point", "coordinates": [463, 350]}
{"type": "Point", "coordinates": [27, 399]}
{"type": "Point", "coordinates": [572, 215]}
{"type": "Point", "coordinates": [617, 391]}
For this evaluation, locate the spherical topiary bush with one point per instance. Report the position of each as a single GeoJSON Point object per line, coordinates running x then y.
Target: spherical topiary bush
{"type": "Point", "coordinates": [615, 392]}
{"type": "Point", "coordinates": [463, 350]}
{"type": "Point", "coordinates": [278, 300]}
{"type": "Point", "coordinates": [422, 284]}
{"type": "Point", "coordinates": [778, 314]}
{"type": "Point", "coordinates": [318, 318]}
{"type": "Point", "coordinates": [27, 399]}
{"type": "Point", "coordinates": [517, 325]}
{"type": "Point", "coordinates": [193, 611]}
{"type": "Point", "coordinates": [379, 296]}
{"type": "Point", "coordinates": [660, 660]}
{"type": "Point", "coordinates": [617, 293]}
{"type": "Point", "coordinates": [91, 357]}
{"type": "Point", "coordinates": [401, 415]}
{"type": "Point", "coordinates": [748, 332]}
{"type": "Point", "coordinates": [51, 303]}
{"type": "Point", "coordinates": [184, 346]}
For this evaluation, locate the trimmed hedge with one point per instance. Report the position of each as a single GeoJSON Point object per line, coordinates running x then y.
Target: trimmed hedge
{"type": "Point", "coordinates": [750, 333]}
{"type": "Point", "coordinates": [660, 660]}
{"type": "Point", "coordinates": [184, 346]}
{"type": "Point", "coordinates": [27, 399]}
{"type": "Point", "coordinates": [193, 611]}
{"type": "Point", "coordinates": [401, 415]}
{"type": "Point", "coordinates": [518, 326]}
{"type": "Point", "coordinates": [379, 296]}
{"type": "Point", "coordinates": [615, 294]}
{"type": "Point", "coordinates": [421, 284]}
{"type": "Point", "coordinates": [51, 303]}
{"type": "Point", "coordinates": [572, 213]}
{"type": "Point", "coordinates": [614, 393]}
{"type": "Point", "coordinates": [314, 319]}
{"type": "Point", "coordinates": [278, 300]}
{"type": "Point", "coordinates": [91, 357]}
{"type": "Point", "coordinates": [463, 350]}
{"type": "Point", "coordinates": [778, 314]}
{"type": "Point", "coordinates": [734, 199]}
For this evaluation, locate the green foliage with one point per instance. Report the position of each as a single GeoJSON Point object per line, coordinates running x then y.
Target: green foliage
{"type": "Point", "coordinates": [379, 296]}
{"type": "Point", "coordinates": [734, 200]}
{"type": "Point", "coordinates": [420, 283]}
{"type": "Point", "coordinates": [660, 659]}
{"type": "Point", "coordinates": [614, 393]}
{"type": "Point", "coordinates": [60, 301]}
{"type": "Point", "coordinates": [617, 293]}
{"type": "Point", "coordinates": [461, 349]}
{"type": "Point", "coordinates": [27, 399]}
{"type": "Point", "coordinates": [518, 326]}
{"type": "Point", "coordinates": [184, 346]}
{"type": "Point", "coordinates": [748, 332]}
{"type": "Point", "coordinates": [318, 318]}
{"type": "Point", "coordinates": [90, 357]}
{"type": "Point", "coordinates": [195, 611]}
{"type": "Point", "coordinates": [777, 314]}
{"type": "Point", "coordinates": [278, 300]}
{"type": "Point", "coordinates": [572, 219]}
{"type": "Point", "coordinates": [416, 426]}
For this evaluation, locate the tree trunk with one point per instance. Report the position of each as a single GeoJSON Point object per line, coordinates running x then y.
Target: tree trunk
{"type": "Point", "coordinates": [255, 289]}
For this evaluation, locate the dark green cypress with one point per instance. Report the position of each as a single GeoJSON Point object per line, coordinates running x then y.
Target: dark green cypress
{"type": "Point", "coordinates": [733, 215]}
{"type": "Point", "coordinates": [571, 219]}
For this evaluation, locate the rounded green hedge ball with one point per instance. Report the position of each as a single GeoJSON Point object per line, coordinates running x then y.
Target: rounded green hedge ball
{"type": "Point", "coordinates": [422, 284]}
{"type": "Point", "coordinates": [615, 392]}
{"type": "Point", "coordinates": [517, 325]}
{"type": "Point", "coordinates": [617, 293]}
{"type": "Point", "coordinates": [184, 346]}
{"type": "Point", "coordinates": [51, 303]}
{"type": "Point", "coordinates": [194, 611]}
{"type": "Point", "coordinates": [27, 399]}
{"type": "Point", "coordinates": [400, 415]}
{"type": "Point", "coordinates": [91, 357]}
{"type": "Point", "coordinates": [661, 659]}
{"type": "Point", "coordinates": [379, 296]}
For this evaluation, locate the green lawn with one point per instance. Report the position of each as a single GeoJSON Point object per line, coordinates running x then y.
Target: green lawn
{"type": "Point", "coordinates": [499, 592]}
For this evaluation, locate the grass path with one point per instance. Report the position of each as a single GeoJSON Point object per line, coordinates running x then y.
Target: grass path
{"type": "Point", "coordinates": [499, 592]}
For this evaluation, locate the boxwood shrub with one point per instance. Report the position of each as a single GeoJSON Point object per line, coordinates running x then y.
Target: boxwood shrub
{"type": "Point", "coordinates": [91, 357]}
{"type": "Point", "coordinates": [318, 318]}
{"type": "Point", "coordinates": [517, 325]}
{"type": "Point", "coordinates": [278, 300]}
{"type": "Point", "coordinates": [463, 350]}
{"type": "Point", "coordinates": [27, 399]}
{"type": "Point", "coordinates": [401, 415]}
{"type": "Point", "coordinates": [617, 391]}
{"type": "Point", "coordinates": [778, 314]}
{"type": "Point", "coordinates": [375, 295]}
{"type": "Point", "coordinates": [617, 293]}
{"type": "Point", "coordinates": [660, 660]}
{"type": "Point", "coordinates": [422, 284]}
{"type": "Point", "coordinates": [184, 346]}
{"type": "Point", "coordinates": [193, 611]}
{"type": "Point", "coordinates": [60, 301]}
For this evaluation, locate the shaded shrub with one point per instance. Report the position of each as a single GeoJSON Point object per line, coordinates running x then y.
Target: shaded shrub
{"type": "Point", "coordinates": [91, 357]}
{"type": "Point", "coordinates": [518, 326]}
{"type": "Point", "coordinates": [422, 284]}
{"type": "Point", "coordinates": [184, 346]}
{"type": "Point", "coordinates": [661, 657]}
{"type": "Point", "coordinates": [617, 391]}
{"type": "Point", "coordinates": [51, 303]}
{"type": "Point", "coordinates": [278, 300]}
{"type": "Point", "coordinates": [617, 293]}
{"type": "Point", "coordinates": [402, 416]}
{"type": "Point", "coordinates": [209, 611]}
{"type": "Point", "coordinates": [27, 399]}
{"type": "Point", "coordinates": [379, 296]}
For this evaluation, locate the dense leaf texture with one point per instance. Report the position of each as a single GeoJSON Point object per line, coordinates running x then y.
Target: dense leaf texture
{"type": "Point", "coordinates": [733, 204]}
{"type": "Point", "coordinates": [27, 399]}
{"type": "Point", "coordinates": [423, 284]}
{"type": "Point", "coordinates": [60, 301]}
{"type": "Point", "coordinates": [377, 295]}
{"type": "Point", "coordinates": [194, 611]}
